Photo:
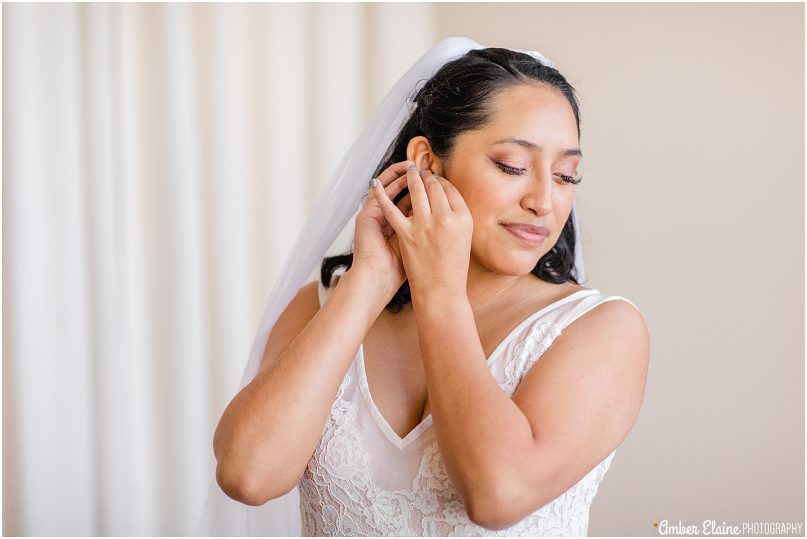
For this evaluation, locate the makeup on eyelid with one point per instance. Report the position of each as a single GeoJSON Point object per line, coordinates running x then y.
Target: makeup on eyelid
{"type": "Point", "coordinates": [516, 171]}
{"type": "Point", "coordinates": [517, 161]}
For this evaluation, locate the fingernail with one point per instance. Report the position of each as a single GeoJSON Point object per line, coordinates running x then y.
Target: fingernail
{"type": "Point", "coordinates": [411, 167]}
{"type": "Point", "coordinates": [373, 181]}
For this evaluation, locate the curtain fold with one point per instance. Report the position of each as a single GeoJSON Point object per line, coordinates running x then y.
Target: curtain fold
{"type": "Point", "coordinates": [159, 161]}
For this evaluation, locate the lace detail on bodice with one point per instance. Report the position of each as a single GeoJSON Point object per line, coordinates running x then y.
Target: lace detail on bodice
{"type": "Point", "coordinates": [338, 495]}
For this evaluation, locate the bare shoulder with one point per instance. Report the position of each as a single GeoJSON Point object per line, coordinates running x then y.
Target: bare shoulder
{"type": "Point", "coordinates": [614, 320]}
{"type": "Point", "coordinates": [581, 400]}
{"type": "Point", "coordinates": [291, 322]}
{"type": "Point", "coordinates": [547, 293]}
{"type": "Point", "coordinates": [594, 375]}
{"type": "Point", "coordinates": [617, 326]}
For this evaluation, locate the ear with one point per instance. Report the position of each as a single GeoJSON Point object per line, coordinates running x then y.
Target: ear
{"type": "Point", "coordinates": [420, 151]}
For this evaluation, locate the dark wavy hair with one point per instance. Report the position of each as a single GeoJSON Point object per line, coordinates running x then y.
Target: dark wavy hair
{"type": "Point", "coordinates": [457, 99]}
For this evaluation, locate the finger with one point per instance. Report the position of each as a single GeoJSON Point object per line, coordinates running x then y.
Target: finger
{"type": "Point", "coordinates": [391, 211]}
{"type": "Point", "coordinates": [453, 196]}
{"type": "Point", "coordinates": [395, 245]}
{"type": "Point", "coordinates": [392, 189]}
{"type": "Point", "coordinates": [398, 185]}
{"type": "Point", "coordinates": [405, 204]}
{"type": "Point", "coordinates": [393, 172]}
{"type": "Point", "coordinates": [417, 192]}
{"type": "Point", "coordinates": [437, 196]}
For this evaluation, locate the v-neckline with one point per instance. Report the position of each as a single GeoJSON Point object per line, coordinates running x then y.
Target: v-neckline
{"type": "Point", "coordinates": [426, 422]}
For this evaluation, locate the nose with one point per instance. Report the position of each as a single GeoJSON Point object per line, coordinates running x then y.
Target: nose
{"type": "Point", "coordinates": [538, 194]}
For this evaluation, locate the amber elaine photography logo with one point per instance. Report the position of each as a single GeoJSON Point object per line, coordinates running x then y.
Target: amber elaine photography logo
{"type": "Point", "coordinates": [713, 527]}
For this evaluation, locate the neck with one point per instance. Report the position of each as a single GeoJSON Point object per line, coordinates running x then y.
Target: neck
{"type": "Point", "coordinates": [486, 288]}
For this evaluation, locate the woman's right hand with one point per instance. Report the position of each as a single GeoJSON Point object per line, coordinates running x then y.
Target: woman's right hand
{"type": "Point", "coordinates": [375, 245]}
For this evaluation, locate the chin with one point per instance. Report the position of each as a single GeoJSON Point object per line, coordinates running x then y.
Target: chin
{"type": "Point", "coordinates": [517, 265]}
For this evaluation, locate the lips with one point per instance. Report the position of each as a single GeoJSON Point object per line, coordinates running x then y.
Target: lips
{"type": "Point", "coordinates": [532, 234]}
{"type": "Point", "coordinates": [529, 229]}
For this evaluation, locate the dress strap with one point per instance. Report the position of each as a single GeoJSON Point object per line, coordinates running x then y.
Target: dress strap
{"type": "Point", "coordinates": [576, 309]}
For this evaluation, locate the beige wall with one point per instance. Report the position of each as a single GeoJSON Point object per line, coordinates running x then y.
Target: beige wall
{"type": "Point", "coordinates": [692, 205]}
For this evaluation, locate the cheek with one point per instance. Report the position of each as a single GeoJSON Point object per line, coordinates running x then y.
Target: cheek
{"type": "Point", "coordinates": [486, 228]}
{"type": "Point", "coordinates": [488, 208]}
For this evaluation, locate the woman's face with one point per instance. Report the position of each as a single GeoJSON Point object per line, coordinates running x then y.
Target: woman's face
{"type": "Point", "coordinates": [514, 183]}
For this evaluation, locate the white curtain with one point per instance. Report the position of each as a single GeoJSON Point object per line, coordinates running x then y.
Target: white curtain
{"type": "Point", "coordinates": [158, 162]}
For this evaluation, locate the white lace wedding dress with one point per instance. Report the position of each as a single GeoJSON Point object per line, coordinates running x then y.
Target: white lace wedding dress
{"type": "Point", "coordinates": [364, 480]}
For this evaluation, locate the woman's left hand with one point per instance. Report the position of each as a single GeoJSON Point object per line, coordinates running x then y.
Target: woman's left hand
{"type": "Point", "coordinates": [435, 242]}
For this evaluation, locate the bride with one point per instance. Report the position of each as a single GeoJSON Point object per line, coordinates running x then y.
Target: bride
{"type": "Point", "coordinates": [402, 392]}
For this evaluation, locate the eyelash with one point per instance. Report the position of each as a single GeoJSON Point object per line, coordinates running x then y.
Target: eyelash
{"type": "Point", "coordinates": [517, 172]}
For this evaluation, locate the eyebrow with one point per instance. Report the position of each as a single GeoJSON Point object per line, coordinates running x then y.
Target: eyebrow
{"type": "Point", "coordinates": [532, 146]}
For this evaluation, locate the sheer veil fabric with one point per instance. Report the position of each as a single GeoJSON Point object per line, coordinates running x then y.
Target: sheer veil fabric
{"type": "Point", "coordinates": [329, 231]}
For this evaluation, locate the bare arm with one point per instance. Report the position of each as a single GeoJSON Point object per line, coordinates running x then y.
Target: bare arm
{"type": "Point", "coordinates": [511, 456]}
{"type": "Point", "coordinates": [269, 431]}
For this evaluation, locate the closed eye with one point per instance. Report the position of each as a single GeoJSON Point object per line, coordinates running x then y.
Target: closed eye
{"type": "Point", "coordinates": [512, 171]}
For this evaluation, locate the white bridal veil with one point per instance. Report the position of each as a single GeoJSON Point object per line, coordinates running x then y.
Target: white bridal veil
{"type": "Point", "coordinates": [329, 231]}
